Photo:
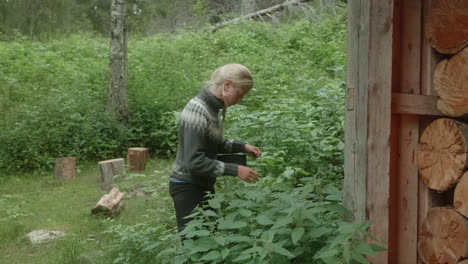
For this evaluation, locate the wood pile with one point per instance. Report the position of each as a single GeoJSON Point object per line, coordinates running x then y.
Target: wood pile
{"type": "Point", "coordinates": [442, 153]}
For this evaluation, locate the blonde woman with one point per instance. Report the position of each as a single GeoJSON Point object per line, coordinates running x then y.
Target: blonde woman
{"type": "Point", "coordinates": [201, 140]}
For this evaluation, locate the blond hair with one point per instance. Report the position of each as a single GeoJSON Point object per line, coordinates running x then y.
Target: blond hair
{"type": "Point", "coordinates": [238, 74]}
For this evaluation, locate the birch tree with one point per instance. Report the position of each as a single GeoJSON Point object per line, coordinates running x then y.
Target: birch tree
{"type": "Point", "coordinates": [117, 98]}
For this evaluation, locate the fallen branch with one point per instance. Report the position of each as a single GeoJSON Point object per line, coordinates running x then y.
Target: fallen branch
{"type": "Point", "coordinates": [259, 14]}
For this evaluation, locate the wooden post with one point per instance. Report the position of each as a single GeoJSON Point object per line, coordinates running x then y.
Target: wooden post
{"type": "Point", "coordinates": [136, 158]}
{"type": "Point", "coordinates": [368, 116]}
{"type": "Point", "coordinates": [111, 168]}
{"type": "Point", "coordinates": [65, 168]}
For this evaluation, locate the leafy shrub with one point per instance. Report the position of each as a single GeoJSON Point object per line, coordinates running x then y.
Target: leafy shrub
{"type": "Point", "coordinates": [275, 225]}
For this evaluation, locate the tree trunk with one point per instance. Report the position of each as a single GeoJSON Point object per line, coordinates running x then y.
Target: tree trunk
{"type": "Point", "coordinates": [460, 196]}
{"type": "Point", "coordinates": [117, 98]}
{"type": "Point", "coordinates": [447, 25]}
{"type": "Point", "coordinates": [444, 237]}
{"type": "Point", "coordinates": [442, 153]}
{"type": "Point", "coordinates": [259, 13]}
{"type": "Point", "coordinates": [450, 82]}
{"type": "Point", "coordinates": [110, 169]}
{"type": "Point", "coordinates": [136, 158]}
{"type": "Point", "coordinates": [65, 168]}
{"type": "Point", "coordinates": [110, 204]}
{"type": "Point", "coordinates": [248, 6]}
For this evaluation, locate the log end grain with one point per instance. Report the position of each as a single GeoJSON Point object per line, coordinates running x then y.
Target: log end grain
{"type": "Point", "coordinates": [447, 25]}
{"type": "Point", "coordinates": [450, 82]}
{"type": "Point", "coordinates": [444, 237]}
{"type": "Point", "coordinates": [441, 153]}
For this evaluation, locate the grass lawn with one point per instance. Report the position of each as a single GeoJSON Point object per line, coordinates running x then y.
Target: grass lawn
{"type": "Point", "coordinates": [31, 202]}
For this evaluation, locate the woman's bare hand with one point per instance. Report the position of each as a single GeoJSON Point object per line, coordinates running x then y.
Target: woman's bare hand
{"type": "Point", "coordinates": [253, 150]}
{"type": "Point", "coordinates": [247, 174]}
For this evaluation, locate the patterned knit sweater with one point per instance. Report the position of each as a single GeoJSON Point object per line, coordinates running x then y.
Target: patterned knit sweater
{"type": "Point", "coordinates": [200, 140]}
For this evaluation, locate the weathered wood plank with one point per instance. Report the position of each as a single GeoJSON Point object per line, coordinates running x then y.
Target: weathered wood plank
{"type": "Point", "coordinates": [407, 196]}
{"type": "Point", "coordinates": [413, 104]}
{"type": "Point", "coordinates": [356, 109]}
{"type": "Point", "coordinates": [379, 118]}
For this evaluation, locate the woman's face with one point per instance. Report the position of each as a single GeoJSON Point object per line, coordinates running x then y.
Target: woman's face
{"type": "Point", "coordinates": [233, 95]}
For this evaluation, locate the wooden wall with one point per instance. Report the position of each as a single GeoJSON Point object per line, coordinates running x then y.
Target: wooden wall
{"type": "Point", "coordinates": [390, 99]}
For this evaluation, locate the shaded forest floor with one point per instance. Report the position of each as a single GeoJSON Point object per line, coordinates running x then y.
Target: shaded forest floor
{"type": "Point", "coordinates": [32, 202]}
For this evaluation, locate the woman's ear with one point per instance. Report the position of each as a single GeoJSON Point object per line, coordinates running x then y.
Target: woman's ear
{"type": "Point", "coordinates": [226, 85]}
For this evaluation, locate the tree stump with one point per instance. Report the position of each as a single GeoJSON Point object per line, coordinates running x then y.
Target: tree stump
{"type": "Point", "coordinates": [136, 158]}
{"type": "Point", "coordinates": [442, 153]}
{"type": "Point", "coordinates": [447, 25]}
{"type": "Point", "coordinates": [110, 169]}
{"type": "Point", "coordinates": [65, 168]}
{"type": "Point", "coordinates": [450, 82]}
{"type": "Point", "coordinates": [460, 196]}
{"type": "Point", "coordinates": [444, 237]}
{"type": "Point", "coordinates": [110, 204]}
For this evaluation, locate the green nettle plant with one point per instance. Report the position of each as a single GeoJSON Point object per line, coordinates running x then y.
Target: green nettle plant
{"type": "Point", "coordinates": [272, 225]}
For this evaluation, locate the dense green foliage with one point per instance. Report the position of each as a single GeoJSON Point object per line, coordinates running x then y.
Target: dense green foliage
{"type": "Point", "coordinates": [55, 92]}
{"type": "Point", "coordinates": [54, 106]}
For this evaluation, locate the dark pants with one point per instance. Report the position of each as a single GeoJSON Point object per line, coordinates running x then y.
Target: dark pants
{"type": "Point", "coordinates": [186, 197]}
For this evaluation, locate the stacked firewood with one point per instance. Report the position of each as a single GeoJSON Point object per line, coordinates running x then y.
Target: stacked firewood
{"type": "Point", "coordinates": [442, 154]}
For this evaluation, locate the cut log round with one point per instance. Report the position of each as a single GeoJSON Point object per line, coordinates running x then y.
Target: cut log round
{"type": "Point", "coordinates": [110, 169]}
{"type": "Point", "coordinates": [110, 204]}
{"type": "Point", "coordinates": [136, 158]}
{"type": "Point", "coordinates": [65, 168]}
{"type": "Point", "coordinates": [443, 237]}
{"type": "Point", "coordinates": [447, 25]}
{"type": "Point", "coordinates": [442, 153]}
{"type": "Point", "coordinates": [451, 84]}
{"type": "Point", "coordinates": [460, 196]}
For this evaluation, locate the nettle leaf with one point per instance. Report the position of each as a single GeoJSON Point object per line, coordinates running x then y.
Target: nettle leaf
{"type": "Point", "coordinates": [215, 203]}
{"type": "Point", "coordinates": [282, 251]}
{"type": "Point", "coordinates": [241, 258]}
{"type": "Point", "coordinates": [282, 221]}
{"type": "Point", "coordinates": [346, 228]}
{"type": "Point", "coordinates": [264, 220]}
{"type": "Point", "coordinates": [198, 233]}
{"type": "Point", "coordinates": [359, 258]}
{"type": "Point", "coordinates": [377, 248]}
{"type": "Point", "coordinates": [152, 246]}
{"type": "Point", "coordinates": [209, 213]}
{"type": "Point", "coordinates": [245, 212]}
{"type": "Point", "coordinates": [213, 255]}
{"type": "Point", "coordinates": [230, 224]}
{"type": "Point", "coordinates": [239, 239]}
{"type": "Point", "coordinates": [326, 253]}
{"type": "Point", "coordinates": [297, 234]}
{"type": "Point", "coordinates": [220, 240]}
{"type": "Point", "coordinates": [320, 231]}
{"type": "Point", "coordinates": [364, 249]}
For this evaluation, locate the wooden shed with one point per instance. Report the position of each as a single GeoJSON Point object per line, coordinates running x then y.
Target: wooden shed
{"type": "Point", "coordinates": [390, 101]}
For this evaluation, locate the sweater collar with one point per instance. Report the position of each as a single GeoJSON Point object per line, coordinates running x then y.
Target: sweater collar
{"type": "Point", "coordinates": [211, 100]}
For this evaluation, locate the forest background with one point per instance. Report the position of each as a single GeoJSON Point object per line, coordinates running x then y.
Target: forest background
{"type": "Point", "coordinates": [54, 58]}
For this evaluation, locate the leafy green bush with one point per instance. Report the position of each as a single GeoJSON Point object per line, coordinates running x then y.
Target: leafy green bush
{"type": "Point", "coordinates": [277, 224]}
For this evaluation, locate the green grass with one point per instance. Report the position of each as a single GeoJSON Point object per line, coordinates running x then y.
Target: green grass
{"type": "Point", "coordinates": [31, 202]}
